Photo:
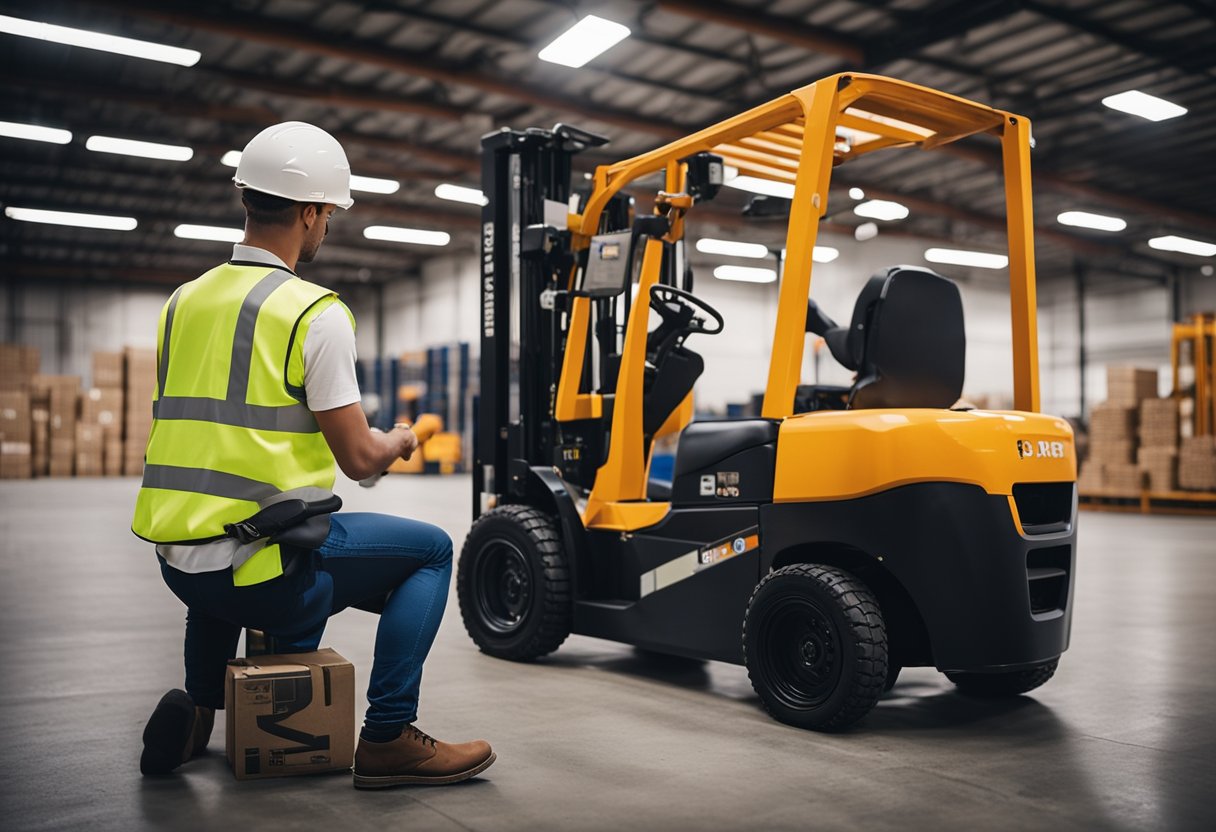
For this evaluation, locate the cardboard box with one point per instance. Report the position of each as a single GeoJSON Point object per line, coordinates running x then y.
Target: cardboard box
{"type": "Point", "coordinates": [108, 369]}
{"type": "Point", "coordinates": [16, 420]}
{"type": "Point", "coordinates": [1113, 421]}
{"type": "Point", "coordinates": [103, 406]}
{"type": "Point", "coordinates": [61, 393]}
{"type": "Point", "coordinates": [1117, 451]}
{"type": "Point", "coordinates": [1159, 423]}
{"type": "Point", "coordinates": [15, 460]}
{"type": "Point", "coordinates": [88, 450]}
{"type": "Point", "coordinates": [18, 366]}
{"type": "Point", "coordinates": [1122, 479]}
{"type": "Point", "coordinates": [1197, 464]}
{"type": "Point", "coordinates": [111, 458]}
{"type": "Point", "coordinates": [290, 714]}
{"type": "Point", "coordinates": [1130, 385]}
{"type": "Point", "coordinates": [1160, 466]}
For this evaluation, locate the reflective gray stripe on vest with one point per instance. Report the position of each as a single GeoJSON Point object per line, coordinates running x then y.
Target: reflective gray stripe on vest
{"type": "Point", "coordinates": [292, 418]}
{"type": "Point", "coordinates": [203, 481]}
{"type": "Point", "coordinates": [233, 410]}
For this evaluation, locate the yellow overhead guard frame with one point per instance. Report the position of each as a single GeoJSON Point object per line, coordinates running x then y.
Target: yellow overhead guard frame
{"type": "Point", "coordinates": [793, 139]}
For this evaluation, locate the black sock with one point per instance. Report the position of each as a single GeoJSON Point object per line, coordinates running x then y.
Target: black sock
{"type": "Point", "coordinates": [381, 731]}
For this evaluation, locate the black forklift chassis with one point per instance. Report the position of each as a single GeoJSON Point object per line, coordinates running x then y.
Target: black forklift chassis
{"type": "Point", "coordinates": [961, 587]}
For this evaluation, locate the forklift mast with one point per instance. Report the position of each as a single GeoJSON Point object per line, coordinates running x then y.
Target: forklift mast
{"type": "Point", "coordinates": [525, 262]}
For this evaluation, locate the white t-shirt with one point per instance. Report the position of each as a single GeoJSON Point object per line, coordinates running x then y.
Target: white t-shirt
{"type": "Point", "coordinates": [329, 382]}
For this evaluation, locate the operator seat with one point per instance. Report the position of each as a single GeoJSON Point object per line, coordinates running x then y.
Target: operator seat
{"type": "Point", "coordinates": [906, 341]}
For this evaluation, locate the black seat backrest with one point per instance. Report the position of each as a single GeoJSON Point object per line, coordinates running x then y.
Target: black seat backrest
{"type": "Point", "coordinates": [907, 339]}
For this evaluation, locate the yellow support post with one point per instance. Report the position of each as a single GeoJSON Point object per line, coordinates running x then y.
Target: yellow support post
{"type": "Point", "coordinates": [1015, 149]}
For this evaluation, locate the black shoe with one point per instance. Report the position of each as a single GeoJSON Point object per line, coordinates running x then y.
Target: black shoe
{"type": "Point", "coordinates": [169, 734]}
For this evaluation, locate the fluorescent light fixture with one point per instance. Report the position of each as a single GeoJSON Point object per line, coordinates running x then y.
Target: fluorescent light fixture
{"type": "Point", "coordinates": [731, 248]}
{"type": "Point", "coordinates": [767, 187]}
{"type": "Point", "coordinates": [34, 132]}
{"type": "Point", "coordinates": [961, 257]}
{"type": "Point", "coordinates": [232, 158]}
{"type": "Point", "coordinates": [72, 218]}
{"type": "Point", "coordinates": [865, 231]}
{"type": "Point", "coordinates": [745, 274]}
{"type": "Point", "coordinates": [1144, 105]}
{"type": "Point", "coordinates": [583, 41]}
{"type": "Point", "coordinates": [101, 42]}
{"type": "Point", "coordinates": [417, 236]}
{"type": "Point", "coordinates": [1098, 222]}
{"type": "Point", "coordinates": [1183, 245]}
{"type": "Point", "coordinates": [880, 209]}
{"type": "Point", "coordinates": [824, 254]}
{"type": "Point", "coordinates": [145, 150]}
{"type": "Point", "coordinates": [459, 193]}
{"type": "Point", "coordinates": [209, 232]}
{"type": "Point", "coordinates": [856, 193]}
{"type": "Point", "coordinates": [372, 185]}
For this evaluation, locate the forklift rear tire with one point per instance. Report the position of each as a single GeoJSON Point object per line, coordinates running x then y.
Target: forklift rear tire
{"type": "Point", "coordinates": [513, 584]}
{"type": "Point", "coordinates": [991, 685]}
{"type": "Point", "coordinates": [815, 646]}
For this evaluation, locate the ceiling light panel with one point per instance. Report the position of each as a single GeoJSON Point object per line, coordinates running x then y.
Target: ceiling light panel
{"type": "Point", "coordinates": [962, 257]}
{"type": "Point", "coordinates": [460, 193]}
{"type": "Point", "coordinates": [1098, 222]}
{"type": "Point", "coordinates": [1183, 245]}
{"type": "Point", "coordinates": [881, 209]}
{"type": "Point", "coordinates": [372, 185]}
{"type": "Point", "coordinates": [97, 40]}
{"type": "Point", "coordinates": [732, 248]}
{"type": "Point", "coordinates": [1144, 105]}
{"type": "Point", "coordinates": [209, 232]}
{"type": "Point", "coordinates": [72, 218]}
{"type": "Point", "coordinates": [415, 236]}
{"type": "Point", "coordinates": [583, 41]}
{"type": "Point", "coordinates": [34, 132]}
{"type": "Point", "coordinates": [745, 274]}
{"type": "Point", "coordinates": [144, 150]}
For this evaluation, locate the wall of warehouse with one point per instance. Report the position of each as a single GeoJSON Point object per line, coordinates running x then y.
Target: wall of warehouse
{"type": "Point", "coordinates": [1127, 322]}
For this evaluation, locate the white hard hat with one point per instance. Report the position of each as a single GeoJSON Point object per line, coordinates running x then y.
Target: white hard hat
{"type": "Point", "coordinates": [296, 161]}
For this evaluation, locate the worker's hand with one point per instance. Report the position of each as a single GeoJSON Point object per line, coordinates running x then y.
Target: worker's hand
{"type": "Point", "coordinates": [408, 439]}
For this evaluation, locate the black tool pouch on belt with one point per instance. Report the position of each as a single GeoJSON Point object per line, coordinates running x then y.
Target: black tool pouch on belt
{"type": "Point", "coordinates": [296, 523]}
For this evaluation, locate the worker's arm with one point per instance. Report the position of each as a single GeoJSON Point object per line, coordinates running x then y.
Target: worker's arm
{"type": "Point", "coordinates": [360, 451]}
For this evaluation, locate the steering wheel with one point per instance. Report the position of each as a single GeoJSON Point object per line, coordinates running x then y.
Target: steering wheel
{"type": "Point", "coordinates": [661, 295]}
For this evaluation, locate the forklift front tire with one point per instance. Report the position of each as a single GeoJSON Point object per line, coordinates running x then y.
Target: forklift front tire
{"type": "Point", "coordinates": [992, 685]}
{"type": "Point", "coordinates": [815, 646]}
{"type": "Point", "coordinates": [513, 584]}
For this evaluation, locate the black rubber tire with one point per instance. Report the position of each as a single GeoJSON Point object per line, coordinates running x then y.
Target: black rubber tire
{"type": "Point", "coordinates": [513, 584]}
{"type": "Point", "coordinates": [815, 646]}
{"type": "Point", "coordinates": [992, 685]}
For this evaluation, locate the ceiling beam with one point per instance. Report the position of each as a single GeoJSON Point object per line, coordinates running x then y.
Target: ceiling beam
{"type": "Point", "coordinates": [292, 36]}
{"type": "Point", "coordinates": [795, 32]}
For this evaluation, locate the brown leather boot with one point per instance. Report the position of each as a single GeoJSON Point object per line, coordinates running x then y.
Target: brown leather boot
{"type": "Point", "coordinates": [419, 759]}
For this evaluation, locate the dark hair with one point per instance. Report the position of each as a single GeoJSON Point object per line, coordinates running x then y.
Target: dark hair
{"type": "Point", "coordinates": [267, 209]}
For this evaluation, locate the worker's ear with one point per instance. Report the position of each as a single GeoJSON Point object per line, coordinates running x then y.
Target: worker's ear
{"type": "Point", "coordinates": [309, 214]}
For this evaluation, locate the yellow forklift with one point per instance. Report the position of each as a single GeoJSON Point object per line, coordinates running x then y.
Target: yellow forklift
{"type": "Point", "coordinates": [846, 532]}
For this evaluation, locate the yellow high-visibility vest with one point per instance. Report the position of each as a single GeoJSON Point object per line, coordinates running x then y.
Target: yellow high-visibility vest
{"type": "Point", "coordinates": [231, 428]}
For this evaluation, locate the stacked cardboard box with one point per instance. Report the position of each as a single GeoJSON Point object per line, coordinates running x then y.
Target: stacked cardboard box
{"type": "Point", "coordinates": [61, 394]}
{"type": "Point", "coordinates": [88, 450]}
{"type": "Point", "coordinates": [102, 407]}
{"type": "Point", "coordinates": [15, 432]}
{"type": "Point", "coordinates": [1197, 464]}
{"type": "Point", "coordinates": [18, 365]}
{"type": "Point", "coordinates": [1112, 439]}
{"type": "Point", "coordinates": [108, 370]}
{"type": "Point", "coordinates": [1129, 386]}
{"type": "Point", "coordinates": [40, 415]}
{"type": "Point", "coordinates": [1158, 452]}
{"type": "Point", "coordinates": [140, 377]}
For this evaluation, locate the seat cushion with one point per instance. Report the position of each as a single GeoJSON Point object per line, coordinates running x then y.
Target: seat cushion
{"type": "Point", "coordinates": [704, 443]}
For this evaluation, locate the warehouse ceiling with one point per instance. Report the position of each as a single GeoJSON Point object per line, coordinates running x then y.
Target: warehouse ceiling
{"type": "Point", "coordinates": [409, 87]}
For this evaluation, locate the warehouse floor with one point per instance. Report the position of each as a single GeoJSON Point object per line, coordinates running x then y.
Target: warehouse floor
{"type": "Point", "coordinates": [603, 737]}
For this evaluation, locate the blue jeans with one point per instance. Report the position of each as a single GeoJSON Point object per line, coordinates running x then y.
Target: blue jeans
{"type": "Point", "coordinates": [364, 557]}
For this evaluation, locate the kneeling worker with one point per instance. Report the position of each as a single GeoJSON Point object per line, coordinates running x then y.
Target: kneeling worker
{"type": "Point", "coordinates": [256, 401]}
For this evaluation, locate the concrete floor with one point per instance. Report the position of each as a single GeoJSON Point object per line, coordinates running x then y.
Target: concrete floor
{"type": "Point", "coordinates": [603, 737]}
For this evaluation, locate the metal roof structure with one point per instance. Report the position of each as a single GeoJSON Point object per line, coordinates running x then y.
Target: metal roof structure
{"type": "Point", "coordinates": [409, 86]}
